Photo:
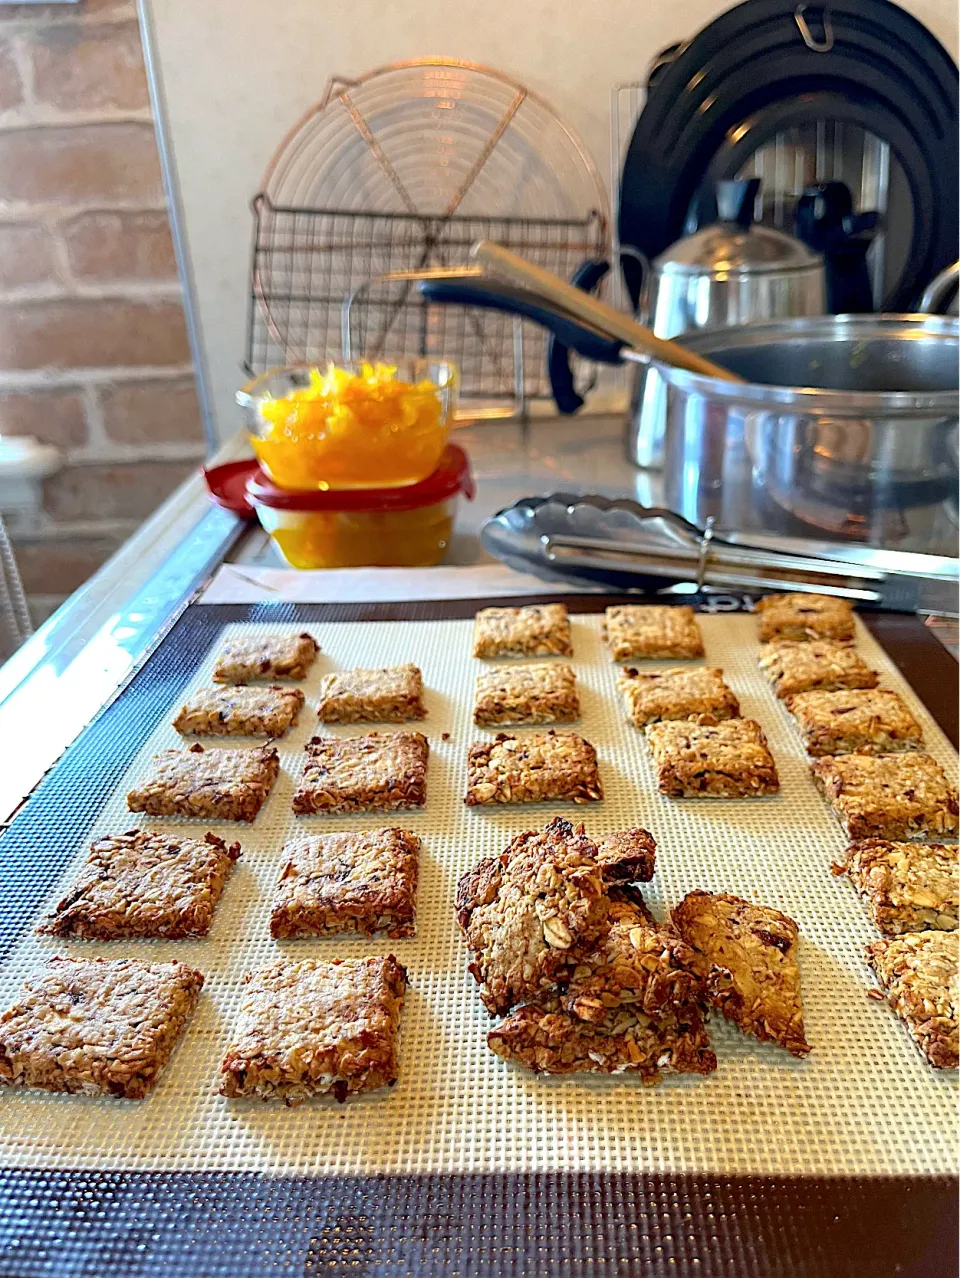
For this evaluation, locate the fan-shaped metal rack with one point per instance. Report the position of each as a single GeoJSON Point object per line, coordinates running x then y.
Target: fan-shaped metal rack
{"type": "Point", "coordinates": [398, 173]}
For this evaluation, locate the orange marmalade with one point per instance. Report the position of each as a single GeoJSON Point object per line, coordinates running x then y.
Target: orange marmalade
{"type": "Point", "coordinates": [353, 428]}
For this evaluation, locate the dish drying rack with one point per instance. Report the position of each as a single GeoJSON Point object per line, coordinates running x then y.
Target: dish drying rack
{"type": "Point", "coordinates": [391, 178]}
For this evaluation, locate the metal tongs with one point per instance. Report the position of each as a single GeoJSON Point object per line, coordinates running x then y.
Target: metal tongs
{"type": "Point", "coordinates": [713, 561]}
{"type": "Point", "coordinates": [582, 537]}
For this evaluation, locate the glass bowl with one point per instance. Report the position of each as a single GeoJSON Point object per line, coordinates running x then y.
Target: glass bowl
{"type": "Point", "coordinates": [346, 425]}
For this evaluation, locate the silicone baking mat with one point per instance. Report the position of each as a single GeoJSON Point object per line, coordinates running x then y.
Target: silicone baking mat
{"type": "Point", "coordinates": [863, 1103]}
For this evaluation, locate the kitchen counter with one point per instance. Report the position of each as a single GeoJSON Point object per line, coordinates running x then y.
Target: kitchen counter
{"type": "Point", "coordinates": [57, 682]}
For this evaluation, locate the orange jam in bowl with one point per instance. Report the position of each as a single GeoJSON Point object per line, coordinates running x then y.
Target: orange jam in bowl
{"type": "Point", "coordinates": [351, 425]}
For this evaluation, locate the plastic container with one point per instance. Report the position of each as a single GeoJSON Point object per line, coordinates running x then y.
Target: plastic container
{"type": "Point", "coordinates": [377, 527]}
{"type": "Point", "coordinates": [366, 434]}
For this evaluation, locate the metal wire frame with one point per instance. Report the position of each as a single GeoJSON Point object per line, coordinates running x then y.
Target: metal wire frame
{"type": "Point", "coordinates": [367, 145]}
{"type": "Point", "coordinates": [308, 262]}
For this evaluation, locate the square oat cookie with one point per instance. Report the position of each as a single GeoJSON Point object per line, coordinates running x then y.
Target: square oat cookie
{"type": "Point", "coordinates": [381, 772]}
{"type": "Point", "coordinates": [264, 658]}
{"type": "Point", "coordinates": [530, 915]}
{"type": "Point", "coordinates": [907, 887]}
{"type": "Point", "coordinates": [802, 617]}
{"type": "Point", "coordinates": [390, 695]}
{"type": "Point", "coordinates": [652, 631]}
{"type": "Point", "coordinates": [855, 721]}
{"type": "Point", "coordinates": [698, 694]}
{"type": "Point", "coordinates": [887, 796]}
{"type": "Point", "coordinates": [237, 711]}
{"type": "Point", "coordinates": [746, 955]}
{"type": "Point", "coordinates": [794, 666]}
{"type": "Point", "coordinates": [919, 974]}
{"type": "Point", "coordinates": [729, 760]}
{"type": "Point", "coordinates": [540, 768]}
{"type": "Point", "coordinates": [316, 1027]}
{"type": "Point", "coordinates": [342, 883]}
{"type": "Point", "coordinates": [539, 630]}
{"type": "Point", "coordinates": [545, 693]}
{"type": "Point", "coordinates": [103, 1027]}
{"type": "Point", "coordinates": [142, 884]}
{"type": "Point", "coordinates": [219, 785]}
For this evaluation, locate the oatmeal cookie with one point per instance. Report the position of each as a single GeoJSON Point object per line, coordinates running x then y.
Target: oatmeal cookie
{"type": "Point", "coordinates": [747, 957]}
{"type": "Point", "coordinates": [103, 1027]}
{"type": "Point", "coordinates": [539, 630]}
{"type": "Point", "coordinates": [313, 1027]}
{"type": "Point", "coordinates": [538, 768]}
{"type": "Point", "coordinates": [652, 632]}
{"type": "Point", "coordinates": [531, 914]}
{"type": "Point", "coordinates": [919, 974]}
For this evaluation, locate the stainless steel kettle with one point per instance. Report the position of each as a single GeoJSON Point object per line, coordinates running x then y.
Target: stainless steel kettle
{"type": "Point", "coordinates": [729, 273]}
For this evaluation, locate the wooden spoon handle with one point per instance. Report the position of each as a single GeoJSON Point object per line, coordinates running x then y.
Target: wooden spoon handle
{"type": "Point", "coordinates": [597, 314]}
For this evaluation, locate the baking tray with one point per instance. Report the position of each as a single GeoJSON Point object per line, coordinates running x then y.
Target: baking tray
{"type": "Point", "coordinates": [509, 1220]}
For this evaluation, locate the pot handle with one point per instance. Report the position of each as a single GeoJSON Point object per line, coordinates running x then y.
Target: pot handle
{"type": "Point", "coordinates": [494, 296]}
{"type": "Point", "coordinates": [565, 394]}
{"type": "Point", "coordinates": [939, 290]}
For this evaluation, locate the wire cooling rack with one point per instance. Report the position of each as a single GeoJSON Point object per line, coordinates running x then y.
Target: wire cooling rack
{"type": "Point", "coordinates": [402, 170]}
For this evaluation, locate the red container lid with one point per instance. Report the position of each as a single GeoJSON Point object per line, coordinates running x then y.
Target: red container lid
{"type": "Point", "coordinates": [241, 485]}
{"type": "Point", "coordinates": [227, 486]}
{"type": "Point", "coordinates": [452, 476]}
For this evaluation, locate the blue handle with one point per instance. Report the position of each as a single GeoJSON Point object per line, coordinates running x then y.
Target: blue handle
{"type": "Point", "coordinates": [493, 296]}
{"type": "Point", "coordinates": [565, 394]}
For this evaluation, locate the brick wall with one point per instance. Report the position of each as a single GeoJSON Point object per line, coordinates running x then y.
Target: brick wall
{"type": "Point", "coordinates": [93, 348]}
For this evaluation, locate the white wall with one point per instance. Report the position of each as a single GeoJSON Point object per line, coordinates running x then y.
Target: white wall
{"type": "Point", "coordinates": [238, 73]}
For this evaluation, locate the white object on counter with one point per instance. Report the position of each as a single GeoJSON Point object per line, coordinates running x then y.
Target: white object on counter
{"type": "Point", "coordinates": [24, 462]}
{"type": "Point", "coordinates": [349, 585]}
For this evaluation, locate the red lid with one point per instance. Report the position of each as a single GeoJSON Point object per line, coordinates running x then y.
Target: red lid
{"type": "Point", "coordinates": [452, 476]}
{"type": "Point", "coordinates": [228, 485]}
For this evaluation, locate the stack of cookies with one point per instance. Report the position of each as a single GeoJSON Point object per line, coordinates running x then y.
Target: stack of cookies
{"type": "Point", "coordinates": [564, 947]}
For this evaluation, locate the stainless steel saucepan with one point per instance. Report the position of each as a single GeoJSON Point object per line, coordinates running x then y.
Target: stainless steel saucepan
{"type": "Point", "coordinates": [839, 418]}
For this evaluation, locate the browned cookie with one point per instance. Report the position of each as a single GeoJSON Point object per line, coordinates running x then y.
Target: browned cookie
{"type": "Point", "coordinates": [313, 1027]}
{"type": "Point", "coordinates": [539, 630]}
{"type": "Point", "coordinates": [747, 957]}
{"type": "Point", "coordinates": [698, 694]}
{"type": "Point", "coordinates": [364, 881]}
{"type": "Point", "coordinates": [794, 666]}
{"type": "Point", "coordinates": [545, 1039]}
{"type": "Point", "coordinates": [237, 711]}
{"type": "Point", "coordinates": [534, 769]}
{"type": "Point", "coordinates": [888, 796]}
{"type": "Point", "coordinates": [542, 693]}
{"type": "Point", "coordinates": [103, 1027]}
{"type": "Point", "coordinates": [652, 632]}
{"type": "Point", "coordinates": [729, 760]}
{"type": "Point", "coordinates": [529, 915]}
{"type": "Point", "coordinates": [855, 721]}
{"type": "Point", "coordinates": [221, 785]}
{"type": "Point", "coordinates": [381, 772]}
{"type": "Point", "coordinates": [908, 887]}
{"type": "Point", "coordinates": [390, 695]}
{"type": "Point", "coordinates": [266, 658]}
{"type": "Point", "coordinates": [802, 616]}
{"type": "Point", "coordinates": [919, 974]}
{"type": "Point", "coordinates": [141, 884]}
{"type": "Point", "coordinates": [627, 856]}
